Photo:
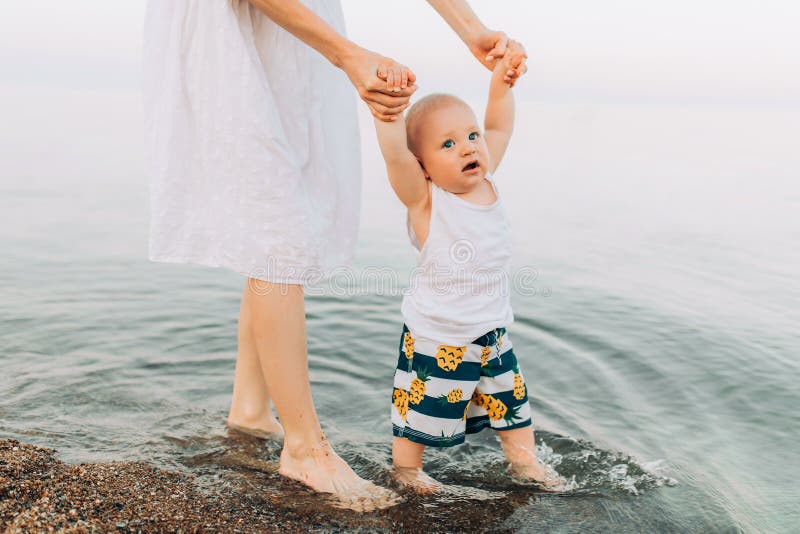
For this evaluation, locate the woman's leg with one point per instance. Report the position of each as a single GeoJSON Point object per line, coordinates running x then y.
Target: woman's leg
{"type": "Point", "coordinates": [250, 407]}
{"type": "Point", "coordinates": [279, 333]}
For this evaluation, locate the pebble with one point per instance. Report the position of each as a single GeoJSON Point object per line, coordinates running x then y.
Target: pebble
{"type": "Point", "coordinates": [40, 494]}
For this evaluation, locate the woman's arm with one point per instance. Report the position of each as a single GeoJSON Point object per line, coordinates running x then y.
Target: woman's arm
{"type": "Point", "coordinates": [307, 26]}
{"type": "Point", "coordinates": [486, 45]}
{"type": "Point", "coordinates": [385, 97]}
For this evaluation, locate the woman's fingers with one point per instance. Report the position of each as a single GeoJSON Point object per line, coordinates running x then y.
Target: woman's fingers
{"type": "Point", "coordinates": [382, 83]}
{"type": "Point", "coordinates": [387, 114]}
{"type": "Point", "coordinates": [499, 48]}
{"type": "Point", "coordinates": [388, 99]}
{"type": "Point", "coordinates": [385, 111]}
{"type": "Point", "coordinates": [385, 107]}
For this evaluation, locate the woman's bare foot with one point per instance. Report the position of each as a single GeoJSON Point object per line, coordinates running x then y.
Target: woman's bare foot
{"type": "Point", "coordinates": [322, 470]}
{"type": "Point", "coordinates": [543, 476]}
{"type": "Point", "coordinates": [416, 479]}
{"type": "Point", "coordinates": [265, 428]}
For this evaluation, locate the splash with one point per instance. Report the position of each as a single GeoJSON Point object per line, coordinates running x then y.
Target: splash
{"type": "Point", "coordinates": [589, 468]}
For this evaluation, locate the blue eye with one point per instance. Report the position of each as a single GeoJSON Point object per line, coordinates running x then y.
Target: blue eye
{"type": "Point", "coordinates": [473, 136]}
{"type": "Point", "coordinates": [448, 144]}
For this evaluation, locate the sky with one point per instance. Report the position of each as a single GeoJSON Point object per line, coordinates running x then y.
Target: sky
{"type": "Point", "coordinates": [706, 53]}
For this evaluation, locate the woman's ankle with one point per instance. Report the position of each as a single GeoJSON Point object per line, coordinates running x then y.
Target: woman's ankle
{"type": "Point", "coordinates": [250, 418]}
{"type": "Point", "coordinates": [307, 447]}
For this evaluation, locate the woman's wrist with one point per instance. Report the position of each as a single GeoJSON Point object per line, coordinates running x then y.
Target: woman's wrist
{"type": "Point", "coordinates": [344, 53]}
{"type": "Point", "coordinates": [473, 29]}
{"type": "Point", "coordinates": [461, 18]}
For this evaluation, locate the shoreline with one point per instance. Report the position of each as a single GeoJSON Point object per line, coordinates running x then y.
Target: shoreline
{"type": "Point", "coordinates": [41, 493]}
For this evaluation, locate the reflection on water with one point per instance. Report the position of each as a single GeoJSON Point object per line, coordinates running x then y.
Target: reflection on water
{"type": "Point", "coordinates": [662, 359]}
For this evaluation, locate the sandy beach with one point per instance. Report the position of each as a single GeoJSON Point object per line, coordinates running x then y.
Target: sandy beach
{"type": "Point", "coordinates": [40, 493]}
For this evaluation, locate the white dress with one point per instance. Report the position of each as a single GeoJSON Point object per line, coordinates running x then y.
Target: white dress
{"type": "Point", "coordinates": [252, 141]}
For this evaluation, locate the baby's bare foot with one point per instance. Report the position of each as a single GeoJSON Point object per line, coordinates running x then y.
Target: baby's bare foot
{"type": "Point", "coordinates": [416, 479]}
{"type": "Point", "coordinates": [322, 470]}
{"type": "Point", "coordinates": [543, 476]}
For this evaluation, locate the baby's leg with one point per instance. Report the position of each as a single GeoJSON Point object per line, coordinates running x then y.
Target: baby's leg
{"type": "Point", "coordinates": [519, 447]}
{"type": "Point", "coordinates": [407, 466]}
{"type": "Point", "coordinates": [250, 410]}
{"type": "Point", "coordinates": [407, 453]}
{"type": "Point", "coordinates": [501, 399]}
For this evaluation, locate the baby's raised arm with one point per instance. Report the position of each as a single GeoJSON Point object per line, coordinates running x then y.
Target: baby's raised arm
{"type": "Point", "coordinates": [405, 173]}
{"type": "Point", "coordinates": [499, 120]}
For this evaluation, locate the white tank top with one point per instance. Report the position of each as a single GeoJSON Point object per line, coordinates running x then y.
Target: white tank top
{"type": "Point", "coordinates": [460, 288]}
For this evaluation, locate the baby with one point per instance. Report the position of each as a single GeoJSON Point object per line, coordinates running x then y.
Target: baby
{"type": "Point", "coordinates": [457, 372]}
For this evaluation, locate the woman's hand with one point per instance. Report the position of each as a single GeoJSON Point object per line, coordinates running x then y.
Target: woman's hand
{"type": "Point", "coordinates": [513, 62]}
{"type": "Point", "coordinates": [381, 82]}
{"type": "Point", "coordinates": [487, 46]}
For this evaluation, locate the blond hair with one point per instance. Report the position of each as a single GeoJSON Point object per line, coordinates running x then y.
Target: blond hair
{"type": "Point", "coordinates": [423, 107]}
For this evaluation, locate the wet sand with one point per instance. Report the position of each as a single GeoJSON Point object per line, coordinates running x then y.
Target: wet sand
{"type": "Point", "coordinates": [38, 492]}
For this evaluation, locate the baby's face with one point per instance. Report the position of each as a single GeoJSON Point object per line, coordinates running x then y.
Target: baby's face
{"type": "Point", "coordinates": [452, 148]}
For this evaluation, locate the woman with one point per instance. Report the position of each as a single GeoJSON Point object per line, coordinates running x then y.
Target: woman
{"type": "Point", "coordinates": [255, 164]}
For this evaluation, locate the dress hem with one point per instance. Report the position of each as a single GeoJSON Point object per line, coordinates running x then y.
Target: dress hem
{"type": "Point", "coordinates": [224, 265]}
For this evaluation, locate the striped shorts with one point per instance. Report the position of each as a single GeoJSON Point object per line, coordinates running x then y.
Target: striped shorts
{"type": "Point", "coordinates": [442, 392]}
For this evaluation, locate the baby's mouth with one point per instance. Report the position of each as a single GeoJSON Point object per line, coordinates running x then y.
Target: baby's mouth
{"type": "Point", "coordinates": [470, 166]}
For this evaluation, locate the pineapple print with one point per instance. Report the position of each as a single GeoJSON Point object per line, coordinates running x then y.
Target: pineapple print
{"type": "Point", "coordinates": [400, 401]}
{"type": "Point", "coordinates": [519, 385]}
{"type": "Point", "coordinates": [497, 409]}
{"type": "Point", "coordinates": [408, 345]}
{"type": "Point", "coordinates": [485, 353]}
{"type": "Point", "coordinates": [449, 357]}
{"type": "Point", "coordinates": [477, 398]}
{"type": "Point", "coordinates": [499, 340]}
{"type": "Point", "coordinates": [417, 392]}
{"type": "Point", "coordinates": [466, 409]}
{"type": "Point", "coordinates": [455, 395]}
{"type": "Point", "coordinates": [494, 407]}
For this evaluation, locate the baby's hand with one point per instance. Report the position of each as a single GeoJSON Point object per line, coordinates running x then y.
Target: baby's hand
{"type": "Point", "coordinates": [397, 77]}
{"type": "Point", "coordinates": [513, 62]}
